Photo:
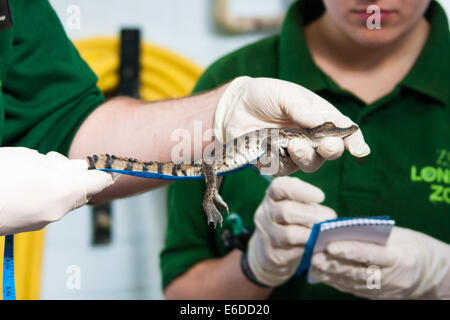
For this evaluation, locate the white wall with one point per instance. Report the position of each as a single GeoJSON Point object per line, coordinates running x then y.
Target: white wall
{"type": "Point", "coordinates": [128, 268]}
{"type": "Point", "coordinates": [183, 26]}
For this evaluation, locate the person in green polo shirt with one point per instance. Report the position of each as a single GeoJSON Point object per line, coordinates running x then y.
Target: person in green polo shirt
{"type": "Point", "coordinates": [50, 105]}
{"type": "Point", "coordinates": [394, 82]}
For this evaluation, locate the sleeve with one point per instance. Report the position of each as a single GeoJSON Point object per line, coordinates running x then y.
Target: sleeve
{"type": "Point", "coordinates": [49, 90]}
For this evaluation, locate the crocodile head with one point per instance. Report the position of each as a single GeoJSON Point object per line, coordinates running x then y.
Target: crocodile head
{"type": "Point", "coordinates": [328, 129]}
{"type": "Point", "coordinates": [314, 135]}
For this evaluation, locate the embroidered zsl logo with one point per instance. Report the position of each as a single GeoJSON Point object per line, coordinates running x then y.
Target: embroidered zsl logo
{"type": "Point", "coordinates": [437, 176]}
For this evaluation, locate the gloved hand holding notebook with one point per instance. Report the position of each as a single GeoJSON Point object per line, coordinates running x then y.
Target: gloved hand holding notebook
{"type": "Point", "coordinates": [411, 265]}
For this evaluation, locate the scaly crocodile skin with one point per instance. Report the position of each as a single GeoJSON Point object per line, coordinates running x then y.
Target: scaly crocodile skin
{"type": "Point", "coordinates": [237, 154]}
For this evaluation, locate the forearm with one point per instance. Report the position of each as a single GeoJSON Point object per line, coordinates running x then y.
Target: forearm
{"type": "Point", "coordinates": [130, 128]}
{"type": "Point", "coordinates": [216, 279]}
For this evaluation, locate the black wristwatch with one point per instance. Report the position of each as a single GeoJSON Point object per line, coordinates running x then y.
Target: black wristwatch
{"type": "Point", "coordinates": [248, 273]}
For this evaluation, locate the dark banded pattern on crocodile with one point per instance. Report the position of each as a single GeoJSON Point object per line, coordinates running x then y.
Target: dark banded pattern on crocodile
{"type": "Point", "coordinates": [238, 153]}
{"type": "Point", "coordinates": [106, 161]}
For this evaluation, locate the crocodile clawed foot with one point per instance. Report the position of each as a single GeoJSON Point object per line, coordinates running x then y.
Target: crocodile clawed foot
{"type": "Point", "coordinates": [211, 198]}
{"type": "Point", "coordinates": [214, 215]}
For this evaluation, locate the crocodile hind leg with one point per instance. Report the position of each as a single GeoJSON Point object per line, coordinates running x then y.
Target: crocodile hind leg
{"type": "Point", "coordinates": [212, 213]}
{"type": "Point", "coordinates": [218, 201]}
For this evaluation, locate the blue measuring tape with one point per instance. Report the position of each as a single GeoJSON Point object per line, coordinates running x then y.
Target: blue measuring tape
{"type": "Point", "coordinates": [9, 287]}
{"type": "Point", "coordinates": [160, 176]}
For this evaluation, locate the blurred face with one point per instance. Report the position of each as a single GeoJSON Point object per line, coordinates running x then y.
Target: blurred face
{"type": "Point", "coordinates": [396, 18]}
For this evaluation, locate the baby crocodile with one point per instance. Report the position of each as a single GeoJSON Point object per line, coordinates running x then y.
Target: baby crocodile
{"type": "Point", "coordinates": [237, 154]}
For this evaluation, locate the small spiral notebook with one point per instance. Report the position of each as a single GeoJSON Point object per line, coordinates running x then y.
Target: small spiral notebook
{"type": "Point", "coordinates": [374, 230]}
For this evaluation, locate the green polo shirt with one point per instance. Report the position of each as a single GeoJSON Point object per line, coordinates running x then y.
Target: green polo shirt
{"type": "Point", "coordinates": [407, 175]}
{"type": "Point", "coordinates": [47, 90]}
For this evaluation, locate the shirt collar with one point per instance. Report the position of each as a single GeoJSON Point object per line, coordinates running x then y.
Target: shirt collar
{"type": "Point", "coordinates": [296, 63]}
{"type": "Point", "coordinates": [429, 75]}
{"type": "Point", "coordinates": [431, 72]}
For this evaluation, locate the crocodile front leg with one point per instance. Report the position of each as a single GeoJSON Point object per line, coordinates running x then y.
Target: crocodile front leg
{"type": "Point", "coordinates": [211, 195]}
{"type": "Point", "coordinates": [283, 157]}
{"type": "Point", "coordinates": [274, 158]}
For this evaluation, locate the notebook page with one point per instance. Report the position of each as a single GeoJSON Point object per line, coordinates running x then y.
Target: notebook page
{"type": "Point", "coordinates": [359, 229]}
{"type": "Point", "coordinates": [374, 230]}
{"type": "Point", "coordinates": [367, 230]}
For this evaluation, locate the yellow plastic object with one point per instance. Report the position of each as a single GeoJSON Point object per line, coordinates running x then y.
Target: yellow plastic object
{"type": "Point", "coordinates": [27, 263]}
{"type": "Point", "coordinates": [164, 74]}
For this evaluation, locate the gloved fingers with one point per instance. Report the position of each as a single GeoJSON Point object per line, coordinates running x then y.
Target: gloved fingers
{"type": "Point", "coordinates": [363, 287]}
{"type": "Point", "coordinates": [272, 165]}
{"type": "Point", "coordinates": [18, 152]}
{"type": "Point", "coordinates": [77, 165]}
{"type": "Point", "coordinates": [56, 161]}
{"type": "Point", "coordinates": [300, 112]}
{"type": "Point", "coordinates": [362, 252]}
{"type": "Point", "coordinates": [351, 271]}
{"type": "Point", "coordinates": [331, 148]}
{"type": "Point", "coordinates": [287, 169]}
{"type": "Point", "coordinates": [279, 260]}
{"type": "Point", "coordinates": [286, 236]}
{"type": "Point", "coordinates": [56, 156]}
{"type": "Point", "coordinates": [304, 156]}
{"type": "Point", "coordinates": [300, 105]}
{"type": "Point", "coordinates": [284, 258]}
{"type": "Point", "coordinates": [293, 212]}
{"type": "Point", "coordinates": [90, 182]}
{"type": "Point", "coordinates": [61, 162]}
{"type": "Point", "coordinates": [354, 143]}
{"type": "Point", "coordinates": [289, 188]}
{"type": "Point", "coordinates": [340, 283]}
{"type": "Point", "coordinates": [237, 129]}
{"type": "Point", "coordinates": [74, 165]}
{"type": "Point", "coordinates": [316, 104]}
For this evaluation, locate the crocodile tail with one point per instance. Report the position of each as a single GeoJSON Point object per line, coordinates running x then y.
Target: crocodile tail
{"type": "Point", "coordinates": [106, 161]}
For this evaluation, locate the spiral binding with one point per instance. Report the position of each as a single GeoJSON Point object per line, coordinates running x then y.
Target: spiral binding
{"type": "Point", "coordinates": [325, 226]}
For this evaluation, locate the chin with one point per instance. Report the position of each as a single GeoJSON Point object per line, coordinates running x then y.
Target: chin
{"type": "Point", "coordinates": [374, 38]}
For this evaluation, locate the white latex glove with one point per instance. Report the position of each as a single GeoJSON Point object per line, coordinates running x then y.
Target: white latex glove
{"type": "Point", "coordinates": [411, 266]}
{"type": "Point", "coordinates": [37, 189]}
{"type": "Point", "coordinates": [283, 223]}
{"type": "Point", "coordinates": [253, 103]}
